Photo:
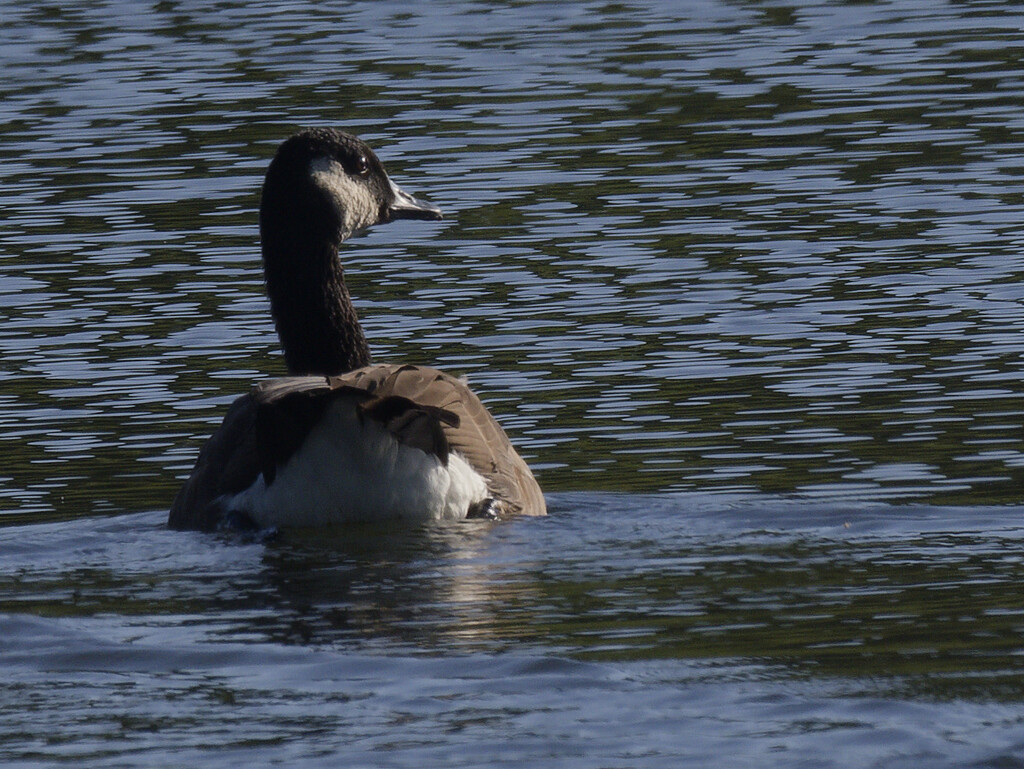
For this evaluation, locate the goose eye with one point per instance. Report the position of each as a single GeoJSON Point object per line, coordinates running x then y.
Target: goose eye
{"type": "Point", "coordinates": [361, 166]}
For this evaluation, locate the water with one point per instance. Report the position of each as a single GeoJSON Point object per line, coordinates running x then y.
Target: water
{"type": "Point", "coordinates": [742, 280]}
{"type": "Point", "coordinates": [685, 632]}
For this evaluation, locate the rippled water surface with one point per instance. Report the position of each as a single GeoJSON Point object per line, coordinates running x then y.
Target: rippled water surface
{"type": "Point", "coordinates": [743, 280]}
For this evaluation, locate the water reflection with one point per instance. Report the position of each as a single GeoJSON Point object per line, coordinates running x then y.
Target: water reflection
{"type": "Point", "coordinates": [431, 587]}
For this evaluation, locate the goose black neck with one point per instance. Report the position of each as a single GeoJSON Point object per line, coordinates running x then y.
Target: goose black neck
{"type": "Point", "coordinates": [312, 308]}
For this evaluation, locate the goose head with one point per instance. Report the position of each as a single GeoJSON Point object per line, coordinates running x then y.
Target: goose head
{"type": "Point", "coordinates": [327, 184]}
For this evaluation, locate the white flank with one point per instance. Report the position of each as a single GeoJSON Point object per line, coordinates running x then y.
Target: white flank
{"type": "Point", "coordinates": [353, 470]}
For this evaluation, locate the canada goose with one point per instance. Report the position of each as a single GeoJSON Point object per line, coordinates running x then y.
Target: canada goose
{"type": "Point", "coordinates": [343, 439]}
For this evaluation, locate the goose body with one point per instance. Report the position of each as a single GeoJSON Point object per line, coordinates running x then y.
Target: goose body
{"type": "Point", "coordinates": [345, 440]}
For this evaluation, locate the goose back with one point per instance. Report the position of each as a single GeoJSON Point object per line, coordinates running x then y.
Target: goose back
{"type": "Point", "coordinates": [418, 407]}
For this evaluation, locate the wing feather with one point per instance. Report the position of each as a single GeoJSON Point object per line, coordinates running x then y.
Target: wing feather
{"type": "Point", "coordinates": [478, 437]}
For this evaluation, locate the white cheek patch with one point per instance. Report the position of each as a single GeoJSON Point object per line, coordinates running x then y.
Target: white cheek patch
{"type": "Point", "coordinates": [353, 198]}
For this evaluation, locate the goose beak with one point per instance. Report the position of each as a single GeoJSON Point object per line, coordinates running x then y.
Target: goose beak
{"type": "Point", "coordinates": [405, 206]}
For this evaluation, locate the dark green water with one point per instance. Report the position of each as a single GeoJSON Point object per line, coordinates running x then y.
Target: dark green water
{"type": "Point", "coordinates": [742, 280]}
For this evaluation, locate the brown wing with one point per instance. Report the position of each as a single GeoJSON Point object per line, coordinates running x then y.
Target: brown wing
{"type": "Point", "coordinates": [231, 459]}
{"type": "Point", "coordinates": [227, 463]}
{"type": "Point", "coordinates": [477, 436]}
{"type": "Point", "coordinates": [421, 407]}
